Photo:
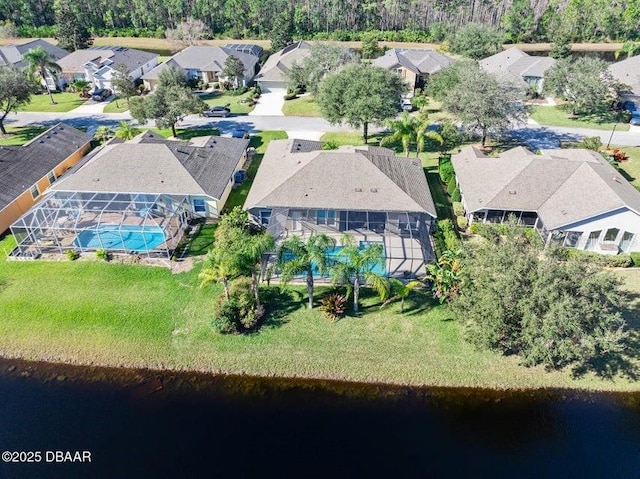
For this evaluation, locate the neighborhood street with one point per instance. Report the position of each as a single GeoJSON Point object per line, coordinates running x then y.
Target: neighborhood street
{"type": "Point", "coordinates": [536, 136]}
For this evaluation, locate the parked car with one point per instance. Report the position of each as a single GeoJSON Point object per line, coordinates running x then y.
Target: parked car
{"type": "Point", "coordinates": [101, 94]}
{"type": "Point", "coordinates": [635, 120]}
{"type": "Point", "coordinates": [239, 133]}
{"type": "Point", "coordinates": [407, 105]}
{"type": "Point", "coordinates": [220, 111]}
{"type": "Point", "coordinates": [629, 106]}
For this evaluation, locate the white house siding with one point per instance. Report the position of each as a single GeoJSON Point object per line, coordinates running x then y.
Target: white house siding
{"type": "Point", "coordinates": [623, 219]}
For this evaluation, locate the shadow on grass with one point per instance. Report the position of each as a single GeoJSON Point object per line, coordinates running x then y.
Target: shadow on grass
{"type": "Point", "coordinates": [280, 303]}
{"type": "Point", "coordinates": [202, 241]}
{"type": "Point", "coordinates": [626, 175]}
{"type": "Point", "coordinates": [625, 363]}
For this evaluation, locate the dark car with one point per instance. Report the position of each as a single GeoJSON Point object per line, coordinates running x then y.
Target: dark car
{"type": "Point", "coordinates": [221, 111]}
{"type": "Point", "coordinates": [239, 133]}
{"type": "Point", "coordinates": [629, 106]}
{"type": "Point", "coordinates": [101, 94]}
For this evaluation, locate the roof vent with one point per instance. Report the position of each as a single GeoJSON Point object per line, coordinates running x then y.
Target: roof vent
{"type": "Point", "coordinates": [374, 190]}
{"type": "Point", "coordinates": [512, 192]}
{"type": "Point", "coordinates": [96, 179]}
{"type": "Point", "coordinates": [564, 212]}
{"type": "Point", "coordinates": [358, 190]}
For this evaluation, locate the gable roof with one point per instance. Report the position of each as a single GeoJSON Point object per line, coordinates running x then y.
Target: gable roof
{"type": "Point", "coordinates": [347, 178]}
{"type": "Point", "coordinates": [12, 54]}
{"type": "Point", "coordinates": [22, 166]}
{"type": "Point", "coordinates": [627, 72]}
{"type": "Point", "coordinates": [278, 65]}
{"type": "Point", "coordinates": [553, 184]}
{"type": "Point", "coordinates": [420, 61]}
{"type": "Point", "coordinates": [206, 58]}
{"type": "Point", "coordinates": [150, 164]}
{"type": "Point", "coordinates": [102, 57]}
{"type": "Point", "coordinates": [515, 64]}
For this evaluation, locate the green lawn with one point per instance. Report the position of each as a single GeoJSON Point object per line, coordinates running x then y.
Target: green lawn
{"type": "Point", "coordinates": [259, 141]}
{"type": "Point", "coordinates": [112, 108]}
{"type": "Point", "coordinates": [202, 240]}
{"type": "Point", "coordinates": [235, 102]}
{"type": "Point", "coordinates": [64, 102]}
{"type": "Point", "coordinates": [92, 312]}
{"type": "Point", "coordinates": [631, 168]}
{"type": "Point", "coordinates": [554, 115]}
{"type": "Point", "coordinates": [301, 106]}
{"type": "Point", "coordinates": [19, 135]}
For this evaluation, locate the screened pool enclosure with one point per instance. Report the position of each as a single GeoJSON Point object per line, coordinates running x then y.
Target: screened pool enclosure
{"type": "Point", "coordinates": [145, 224]}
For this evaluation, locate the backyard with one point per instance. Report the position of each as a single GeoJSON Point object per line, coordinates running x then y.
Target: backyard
{"type": "Point", "coordinates": [64, 102]}
{"type": "Point", "coordinates": [557, 116]}
{"type": "Point", "coordinates": [91, 312]}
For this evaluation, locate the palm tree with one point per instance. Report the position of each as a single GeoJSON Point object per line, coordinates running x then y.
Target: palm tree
{"type": "Point", "coordinates": [297, 257]}
{"type": "Point", "coordinates": [126, 131]}
{"type": "Point", "coordinates": [355, 266]}
{"type": "Point", "coordinates": [41, 63]}
{"type": "Point", "coordinates": [252, 251]}
{"type": "Point", "coordinates": [422, 134]}
{"type": "Point", "coordinates": [216, 270]}
{"type": "Point", "coordinates": [103, 133]}
{"type": "Point", "coordinates": [404, 129]}
{"type": "Point", "coordinates": [401, 291]}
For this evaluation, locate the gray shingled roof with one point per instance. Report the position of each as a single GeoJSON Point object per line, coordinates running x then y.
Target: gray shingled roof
{"type": "Point", "coordinates": [627, 72]}
{"type": "Point", "coordinates": [149, 164]}
{"type": "Point", "coordinates": [562, 186]}
{"type": "Point", "coordinates": [420, 61]}
{"type": "Point", "coordinates": [205, 58]}
{"type": "Point", "coordinates": [347, 178]}
{"type": "Point", "coordinates": [515, 64]}
{"type": "Point", "coordinates": [22, 166]}
{"type": "Point", "coordinates": [113, 56]}
{"type": "Point", "coordinates": [12, 54]}
{"type": "Point", "coordinates": [277, 65]}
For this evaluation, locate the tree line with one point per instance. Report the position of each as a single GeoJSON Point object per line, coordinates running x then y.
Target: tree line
{"type": "Point", "coordinates": [399, 20]}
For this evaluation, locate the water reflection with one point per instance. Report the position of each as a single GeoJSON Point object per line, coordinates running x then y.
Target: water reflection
{"type": "Point", "coordinates": [143, 425]}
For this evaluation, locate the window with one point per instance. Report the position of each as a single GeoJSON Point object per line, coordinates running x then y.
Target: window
{"type": "Point", "coordinates": [265, 216]}
{"type": "Point", "coordinates": [611, 234]}
{"type": "Point", "coordinates": [35, 192]}
{"type": "Point", "coordinates": [627, 241]}
{"type": "Point", "coordinates": [592, 242]}
{"type": "Point", "coordinates": [326, 217]}
{"type": "Point", "coordinates": [573, 238]}
{"type": "Point", "coordinates": [199, 206]}
{"type": "Point", "coordinates": [51, 177]}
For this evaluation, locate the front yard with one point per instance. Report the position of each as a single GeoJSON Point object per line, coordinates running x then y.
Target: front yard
{"type": "Point", "coordinates": [301, 106]}
{"type": "Point", "coordinates": [631, 168]}
{"type": "Point", "coordinates": [557, 116]}
{"type": "Point", "coordinates": [65, 101]}
{"type": "Point", "coordinates": [91, 312]}
{"type": "Point", "coordinates": [19, 135]}
{"type": "Point", "coordinates": [237, 103]}
{"type": "Point", "coordinates": [121, 106]}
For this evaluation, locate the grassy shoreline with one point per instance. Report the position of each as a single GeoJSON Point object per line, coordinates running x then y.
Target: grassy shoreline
{"type": "Point", "coordinates": [91, 313]}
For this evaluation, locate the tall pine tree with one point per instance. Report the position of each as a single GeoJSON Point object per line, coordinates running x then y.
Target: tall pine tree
{"type": "Point", "coordinates": [71, 30]}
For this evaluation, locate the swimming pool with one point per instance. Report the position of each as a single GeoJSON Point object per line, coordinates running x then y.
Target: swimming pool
{"type": "Point", "coordinates": [333, 255]}
{"type": "Point", "coordinates": [124, 237]}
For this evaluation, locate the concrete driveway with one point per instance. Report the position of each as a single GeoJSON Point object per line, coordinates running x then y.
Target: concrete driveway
{"type": "Point", "coordinates": [91, 107]}
{"type": "Point", "coordinates": [270, 104]}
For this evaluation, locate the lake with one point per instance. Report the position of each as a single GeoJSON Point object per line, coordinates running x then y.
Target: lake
{"type": "Point", "coordinates": [149, 424]}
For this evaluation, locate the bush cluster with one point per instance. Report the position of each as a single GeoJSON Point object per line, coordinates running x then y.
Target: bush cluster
{"type": "Point", "coordinates": [239, 313]}
{"type": "Point", "coordinates": [334, 306]}
{"type": "Point", "coordinates": [446, 237]}
{"type": "Point", "coordinates": [72, 254]}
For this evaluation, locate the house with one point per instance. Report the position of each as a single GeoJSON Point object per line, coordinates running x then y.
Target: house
{"type": "Point", "coordinates": [97, 64]}
{"type": "Point", "coordinates": [413, 65]}
{"type": "Point", "coordinates": [572, 197]}
{"type": "Point", "coordinates": [273, 74]}
{"type": "Point", "coordinates": [13, 55]}
{"type": "Point", "coordinates": [368, 192]}
{"type": "Point", "coordinates": [627, 72]}
{"type": "Point", "coordinates": [515, 65]}
{"type": "Point", "coordinates": [26, 172]}
{"type": "Point", "coordinates": [137, 197]}
{"type": "Point", "coordinates": [205, 63]}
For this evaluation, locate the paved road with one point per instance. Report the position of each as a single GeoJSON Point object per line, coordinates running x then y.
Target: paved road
{"type": "Point", "coordinates": [535, 136]}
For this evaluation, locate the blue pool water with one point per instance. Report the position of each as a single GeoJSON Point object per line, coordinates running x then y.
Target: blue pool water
{"type": "Point", "coordinates": [125, 237]}
{"type": "Point", "coordinates": [333, 254]}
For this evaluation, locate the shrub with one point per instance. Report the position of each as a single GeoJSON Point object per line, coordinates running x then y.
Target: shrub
{"type": "Point", "coordinates": [72, 254]}
{"type": "Point", "coordinates": [462, 222]}
{"type": "Point", "coordinates": [102, 254]}
{"type": "Point", "coordinates": [334, 306]}
{"type": "Point", "coordinates": [605, 261]}
{"type": "Point", "coordinates": [475, 228]}
{"type": "Point", "coordinates": [446, 237]}
{"type": "Point", "coordinates": [458, 209]}
{"type": "Point", "coordinates": [330, 145]}
{"type": "Point", "coordinates": [455, 196]}
{"type": "Point", "coordinates": [451, 185]}
{"type": "Point", "coordinates": [216, 86]}
{"type": "Point", "coordinates": [239, 313]}
{"type": "Point", "coordinates": [635, 257]}
{"type": "Point", "coordinates": [290, 96]}
{"type": "Point", "coordinates": [446, 171]}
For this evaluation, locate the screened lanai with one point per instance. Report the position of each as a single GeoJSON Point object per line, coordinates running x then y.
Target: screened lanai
{"type": "Point", "coordinates": [144, 224]}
